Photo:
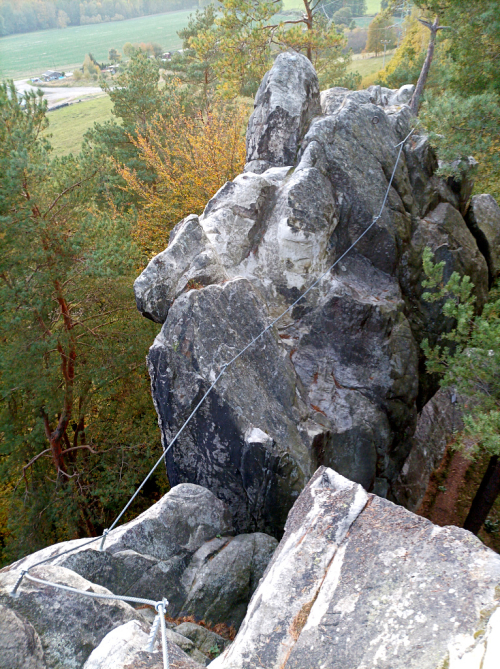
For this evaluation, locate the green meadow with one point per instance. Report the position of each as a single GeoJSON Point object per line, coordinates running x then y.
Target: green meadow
{"type": "Point", "coordinates": [68, 125]}
{"type": "Point", "coordinates": [29, 54]}
{"type": "Point", "coordinates": [372, 6]}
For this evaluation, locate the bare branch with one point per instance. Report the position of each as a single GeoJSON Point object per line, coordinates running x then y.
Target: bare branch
{"type": "Point", "coordinates": [68, 190]}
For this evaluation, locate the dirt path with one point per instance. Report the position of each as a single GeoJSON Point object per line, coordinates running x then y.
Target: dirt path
{"type": "Point", "coordinates": [56, 96]}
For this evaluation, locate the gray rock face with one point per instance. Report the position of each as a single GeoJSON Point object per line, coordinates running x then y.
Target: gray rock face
{"type": "Point", "coordinates": [204, 328]}
{"type": "Point", "coordinates": [440, 418]}
{"type": "Point", "coordinates": [19, 643]}
{"type": "Point", "coordinates": [337, 380]}
{"type": "Point", "coordinates": [359, 582]}
{"type": "Point", "coordinates": [124, 648]}
{"type": "Point", "coordinates": [189, 260]}
{"type": "Point", "coordinates": [68, 626]}
{"type": "Point", "coordinates": [483, 219]}
{"type": "Point", "coordinates": [182, 552]}
{"type": "Point", "coordinates": [222, 576]}
{"type": "Point", "coordinates": [286, 101]}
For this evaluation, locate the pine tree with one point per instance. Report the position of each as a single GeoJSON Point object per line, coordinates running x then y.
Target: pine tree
{"type": "Point", "coordinates": [471, 364]}
{"type": "Point", "coordinates": [75, 404]}
{"type": "Point", "coordinates": [249, 32]}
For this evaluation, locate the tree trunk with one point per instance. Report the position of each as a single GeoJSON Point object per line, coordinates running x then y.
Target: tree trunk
{"type": "Point", "coordinates": [422, 80]}
{"type": "Point", "coordinates": [485, 497]}
{"type": "Point", "coordinates": [308, 20]}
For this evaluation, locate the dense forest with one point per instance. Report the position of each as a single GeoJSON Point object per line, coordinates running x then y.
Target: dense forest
{"type": "Point", "coordinates": [21, 16]}
{"type": "Point", "coordinates": [78, 429]}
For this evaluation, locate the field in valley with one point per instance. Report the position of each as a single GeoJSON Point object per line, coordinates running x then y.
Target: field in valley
{"type": "Point", "coordinates": [69, 124]}
{"type": "Point", "coordinates": [29, 54]}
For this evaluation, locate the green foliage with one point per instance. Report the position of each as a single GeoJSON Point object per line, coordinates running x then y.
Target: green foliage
{"type": "Point", "coordinates": [137, 94]}
{"type": "Point", "coordinates": [114, 56]}
{"type": "Point", "coordinates": [75, 410]}
{"type": "Point", "coordinates": [473, 42]}
{"type": "Point", "coordinates": [466, 126]}
{"type": "Point", "coordinates": [471, 363]}
{"type": "Point", "coordinates": [196, 68]}
{"type": "Point", "coordinates": [18, 16]}
{"type": "Point", "coordinates": [407, 62]}
{"type": "Point", "coordinates": [380, 30]}
{"type": "Point", "coordinates": [249, 32]}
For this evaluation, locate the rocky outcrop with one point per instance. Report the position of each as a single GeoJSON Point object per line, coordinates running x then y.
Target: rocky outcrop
{"type": "Point", "coordinates": [437, 425]}
{"type": "Point", "coordinates": [483, 219]}
{"type": "Point", "coordinates": [360, 582]}
{"type": "Point", "coordinates": [182, 548]}
{"type": "Point", "coordinates": [286, 102]}
{"type": "Point", "coordinates": [337, 381]}
{"type": "Point", "coordinates": [66, 626]}
{"type": "Point", "coordinates": [124, 648]}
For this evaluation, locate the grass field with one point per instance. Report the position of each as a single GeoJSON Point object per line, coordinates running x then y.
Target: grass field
{"type": "Point", "coordinates": [26, 55]}
{"type": "Point", "coordinates": [373, 6]}
{"type": "Point", "coordinates": [68, 125]}
{"type": "Point", "coordinates": [368, 66]}
{"type": "Point", "coordinates": [29, 54]}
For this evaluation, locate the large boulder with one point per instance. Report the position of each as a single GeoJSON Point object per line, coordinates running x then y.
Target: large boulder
{"type": "Point", "coordinates": [125, 648]}
{"type": "Point", "coordinates": [55, 628]}
{"type": "Point", "coordinates": [182, 549]}
{"type": "Point", "coordinates": [360, 582]}
{"type": "Point", "coordinates": [286, 101]}
{"type": "Point", "coordinates": [338, 379]}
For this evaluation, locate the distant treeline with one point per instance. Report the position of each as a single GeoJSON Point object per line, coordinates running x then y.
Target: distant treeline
{"type": "Point", "coordinates": [21, 16]}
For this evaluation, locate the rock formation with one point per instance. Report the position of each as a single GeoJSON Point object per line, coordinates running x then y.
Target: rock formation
{"type": "Point", "coordinates": [338, 380]}
{"type": "Point", "coordinates": [358, 582]}
{"type": "Point", "coordinates": [437, 425]}
{"type": "Point", "coordinates": [182, 548]}
{"type": "Point", "coordinates": [483, 219]}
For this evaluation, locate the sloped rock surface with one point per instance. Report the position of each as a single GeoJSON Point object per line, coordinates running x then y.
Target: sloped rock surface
{"type": "Point", "coordinates": [183, 551]}
{"type": "Point", "coordinates": [437, 424]}
{"type": "Point", "coordinates": [483, 219]}
{"type": "Point", "coordinates": [69, 626]}
{"type": "Point", "coordinates": [337, 381]}
{"type": "Point", "coordinates": [360, 582]}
